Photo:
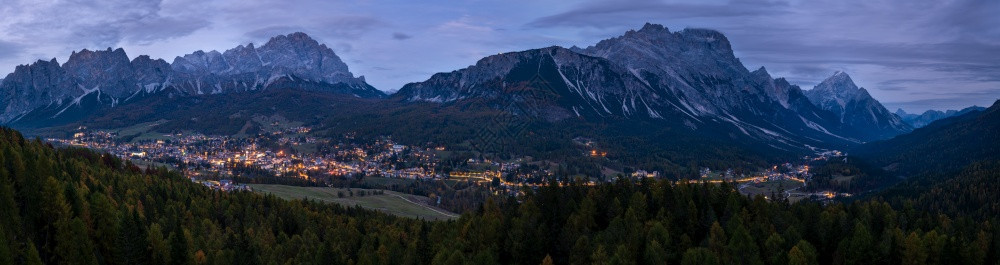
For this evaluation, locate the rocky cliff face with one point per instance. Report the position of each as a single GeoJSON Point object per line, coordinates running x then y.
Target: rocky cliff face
{"type": "Point", "coordinates": [562, 82]}
{"type": "Point", "coordinates": [698, 67]}
{"type": "Point", "coordinates": [290, 60]}
{"type": "Point", "coordinates": [151, 74]}
{"type": "Point", "coordinates": [856, 108]}
{"type": "Point", "coordinates": [37, 85]}
{"type": "Point", "coordinates": [108, 71]}
{"type": "Point", "coordinates": [286, 61]}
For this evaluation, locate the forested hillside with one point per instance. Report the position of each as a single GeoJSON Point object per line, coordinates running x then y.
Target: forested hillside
{"type": "Point", "coordinates": [74, 206]}
{"type": "Point", "coordinates": [970, 193]}
{"type": "Point", "coordinates": [944, 146]}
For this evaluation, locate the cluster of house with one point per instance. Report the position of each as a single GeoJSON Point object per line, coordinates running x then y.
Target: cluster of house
{"type": "Point", "coordinates": [224, 185]}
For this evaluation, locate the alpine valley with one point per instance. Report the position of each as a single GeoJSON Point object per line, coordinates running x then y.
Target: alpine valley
{"type": "Point", "coordinates": [652, 147]}
{"type": "Point", "coordinates": [648, 93]}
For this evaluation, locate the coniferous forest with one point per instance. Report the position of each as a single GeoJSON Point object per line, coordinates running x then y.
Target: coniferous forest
{"type": "Point", "coordinates": [76, 206]}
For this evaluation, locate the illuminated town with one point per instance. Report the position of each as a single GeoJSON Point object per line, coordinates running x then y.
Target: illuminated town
{"type": "Point", "coordinates": [215, 160]}
{"type": "Point", "coordinates": [225, 155]}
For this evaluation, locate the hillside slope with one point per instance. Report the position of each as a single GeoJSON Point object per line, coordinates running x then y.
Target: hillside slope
{"type": "Point", "coordinates": [943, 146]}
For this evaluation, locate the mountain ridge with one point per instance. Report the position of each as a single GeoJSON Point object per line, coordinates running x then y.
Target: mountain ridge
{"type": "Point", "coordinates": [689, 77]}
{"type": "Point", "coordinates": [293, 60]}
{"type": "Point", "coordinates": [929, 116]}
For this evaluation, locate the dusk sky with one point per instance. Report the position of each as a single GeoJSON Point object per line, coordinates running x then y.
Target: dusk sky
{"type": "Point", "coordinates": [913, 54]}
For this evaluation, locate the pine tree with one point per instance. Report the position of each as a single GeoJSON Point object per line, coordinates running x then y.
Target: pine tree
{"type": "Point", "coordinates": [802, 254]}
{"type": "Point", "coordinates": [54, 206]}
{"type": "Point", "coordinates": [31, 255]}
{"type": "Point", "coordinates": [774, 248]}
{"type": "Point", "coordinates": [600, 256]}
{"type": "Point", "coordinates": [699, 256]}
{"type": "Point", "coordinates": [248, 253]}
{"type": "Point", "coordinates": [10, 216]}
{"type": "Point", "coordinates": [547, 260]}
{"type": "Point", "coordinates": [914, 252]}
{"type": "Point", "coordinates": [717, 239]}
{"type": "Point", "coordinates": [6, 247]}
{"type": "Point", "coordinates": [179, 252]}
{"type": "Point", "coordinates": [73, 246]}
{"type": "Point", "coordinates": [859, 247]}
{"type": "Point", "coordinates": [580, 254]}
{"type": "Point", "coordinates": [796, 257]}
{"type": "Point", "coordinates": [456, 258]}
{"type": "Point", "coordinates": [742, 249]}
{"type": "Point", "coordinates": [654, 254]}
{"type": "Point", "coordinates": [131, 243]}
{"type": "Point", "coordinates": [158, 247]}
{"type": "Point", "coordinates": [623, 256]}
{"type": "Point", "coordinates": [934, 244]}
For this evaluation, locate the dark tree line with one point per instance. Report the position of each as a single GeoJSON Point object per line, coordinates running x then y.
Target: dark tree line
{"type": "Point", "coordinates": [75, 206]}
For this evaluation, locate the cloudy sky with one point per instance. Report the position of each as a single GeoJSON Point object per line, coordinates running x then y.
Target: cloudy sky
{"type": "Point", "coordinates": [913, 54]}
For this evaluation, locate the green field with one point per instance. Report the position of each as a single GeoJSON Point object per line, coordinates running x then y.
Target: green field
{"type": "Point", "coordinates": [383, 181]}
{"type": "Point", "coordinates": [395, 203]}
{"type": "Point", "coordinates": [768, 187]}
{"type": "Point", "coordinates": [138, 128]}
{"type": "Point", "coordinates": [142, 131]}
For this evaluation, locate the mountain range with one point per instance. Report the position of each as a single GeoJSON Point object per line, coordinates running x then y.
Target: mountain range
{"type": "Point", "coordinates": [649, 83]}
{"type": "Point", "coordinates": [921, 120]}
{"type": "Point", "coordinates": [689, 77]}
{"type": "Point", "coordinates": [108, 76]}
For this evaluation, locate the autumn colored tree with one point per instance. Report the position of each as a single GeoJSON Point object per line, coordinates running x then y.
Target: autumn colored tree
{"type": "Point", "coordinates": [802, 254]}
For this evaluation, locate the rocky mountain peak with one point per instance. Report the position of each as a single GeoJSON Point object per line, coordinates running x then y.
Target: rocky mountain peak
{"type": "Point", "coordinates": [862, 93]}
{"type": "Point", "coordinates": [687, 62]}
{"type": "Point", "coordinates": [243, 59]}
{"type": "Point", "coordinates": [200, 62]}
{"type": "Point", "coordinates": [297, 42]}
{"type": "Point", "coordinates": [39, 64]}
{"type": "Point", "coordinates": [835, 92]}
{"type": "Point", "coordinates": [297, 37]}
{"type": "Point", "coordinates": [900, 112]}
{"type": "Point", "coordinates": [292, 60]}
{"type": "Point", "coordinates": [687, 39]}
{"type": "Point", "coordinates": [108, 70]}
{"type": "Point", "coordinates": [649, 30]}
{"type": "Point", "coordinates": [839, 82]}
{"type": "Point", "coordinates": [306, 57]}
{"type": "Point", "coordinates": [144, 59]}
{"type": "Point", "coordinates": [855, 106]}
{"type": "Point", "coordinates": [82, 62]}
{"type": "Point", "coordinates": [712, 39]}
{"type": "Point", "coordinates": [150, 74]}
{"type": "Point", "coordinates": [85, 55]}
{"type": "Point", "coordinates": [761, 72]}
